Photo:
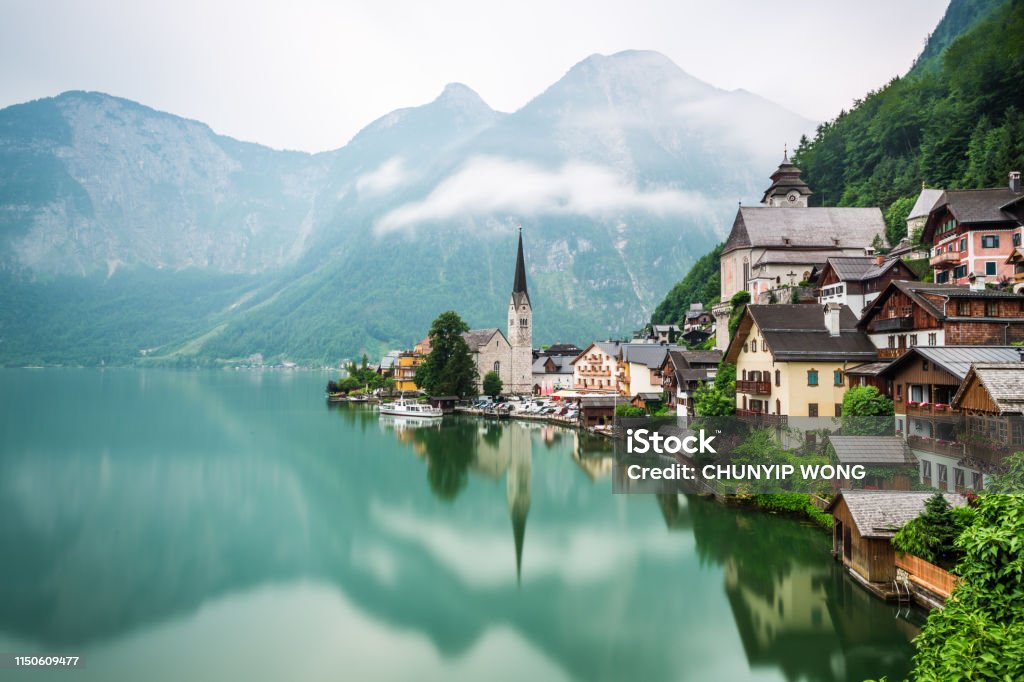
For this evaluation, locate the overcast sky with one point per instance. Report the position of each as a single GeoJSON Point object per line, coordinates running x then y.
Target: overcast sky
{"type": "Point", "coordinates": [308, 74]}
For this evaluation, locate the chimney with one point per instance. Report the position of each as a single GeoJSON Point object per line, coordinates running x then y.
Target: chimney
{"type": "Point", "coordinates": [1015, 182]}
{"type": "Point", "coordinates": [977, 282]}
{"type": "Point", "coordinates": [832, 318]}
{"type": "Point", "coordinates": [879, 259]}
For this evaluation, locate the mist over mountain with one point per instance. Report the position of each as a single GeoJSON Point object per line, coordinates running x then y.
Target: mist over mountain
{"type": "Point", "coordinates": [127, 233]}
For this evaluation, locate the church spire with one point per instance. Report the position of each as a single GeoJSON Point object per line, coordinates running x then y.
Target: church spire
{"type": "Point", "coordinates": [519, 285]}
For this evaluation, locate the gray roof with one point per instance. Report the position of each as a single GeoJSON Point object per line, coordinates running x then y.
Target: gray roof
{"type": "Point", "coordinates": [885, 450]}
{"type": "Point", "coordinates": [1004, 382]}
{"type": "Point", "coordinates": [649, 395]}
{"type": "Point", "coordinates": [822, 228]}
{"type": "Point", "coordinates": [479, 337]}
{"type": "Point", "coordinates": [648, 354]}
{"type": "Point", "coordinates": [869, 369]}
{"type": "Point", "coordinates": [563, 364]}
{"type": "Point", "coordinates": [860, 268]}
{"type": "Point", "coordinates": [957, 360]}
{"type": "Point", "coordinates": [880, 513]}
{"type": "Point", "coordinates": [926, 201]}
{"type": "Point", "coordinates": [979, 205]}
{"type": "Point", "coordinates": [599, 401]}
{"type": "Point", "coordinates": [797, 332]}
{"type": "Point", "coordinates": [692, 365]}
{"type": "Point", "coordinates": [669, 327]}
{"type": "Point", "coordinates": [797, 257]}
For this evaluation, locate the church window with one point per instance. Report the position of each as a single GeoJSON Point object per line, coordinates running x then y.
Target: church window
{"type": "Point", "coordinates": [522, 322]}
{"type": "Point", "coordinates": [497, 365]}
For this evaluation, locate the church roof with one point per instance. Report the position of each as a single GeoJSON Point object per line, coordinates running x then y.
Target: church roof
{"type": "Point", "coordinates": [926, 201]}
{"type": "Point", "coordinates": [519, 284]}
{"type": "Point", "coordinates": [475, 338]}
{"type": "Point", "coordinates": [805, 228]}
{"type": "Point", "coordinates": [785, 178]}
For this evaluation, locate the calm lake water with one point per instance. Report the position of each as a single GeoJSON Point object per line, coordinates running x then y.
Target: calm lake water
{"type": "Point", "coordinates": [230, 526]}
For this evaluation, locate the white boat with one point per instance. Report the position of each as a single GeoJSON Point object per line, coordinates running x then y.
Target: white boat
{"type": "Point", "coordinates": [411, 408]}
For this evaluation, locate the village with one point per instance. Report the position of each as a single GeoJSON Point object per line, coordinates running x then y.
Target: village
{"type": "Point", "coordinates": [814, 309]}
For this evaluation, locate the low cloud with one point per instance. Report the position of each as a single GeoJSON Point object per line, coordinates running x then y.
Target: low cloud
{"type": "Point", "coordinates": [490, 185]}
{"type": "Point", "coordinates": [385, 178]}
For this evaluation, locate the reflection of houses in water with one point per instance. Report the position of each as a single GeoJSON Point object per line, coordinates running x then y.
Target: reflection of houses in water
{"type": "Point", "coordinates": [593, 454]}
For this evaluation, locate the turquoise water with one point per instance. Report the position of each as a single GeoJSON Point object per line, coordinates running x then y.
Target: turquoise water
{"type": "Point", "coordinates": [231, 526]}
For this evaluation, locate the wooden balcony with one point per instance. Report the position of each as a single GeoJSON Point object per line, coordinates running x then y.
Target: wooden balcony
{"type": "Point", "coordinates": [894, 324]}
{"type": "Point", "coordinates": [890, 353]}
{"type": "Point", "coordinates": [939, 447]}
{"type": "Point", "coordinates": [763, 418]}
{"type": "Point", "coordinates": [930, 410]}
{"type": "Point", "coordinates": [753, 387]}
{"type": "Point", "coordinates": [942, 258]}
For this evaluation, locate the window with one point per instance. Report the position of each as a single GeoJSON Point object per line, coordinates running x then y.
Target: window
{"type": "Point", "coordinates": [778, 378]}
{"type": "Point", "coordinates": [942, 277]}
{"type": "Point", "coordinates": [746, 347]}
{"type": "Point", "coordinates": [892, 341]}
{"type": "Point", "coordinates": [811, 438]}
{"type": "Point", "coordinates": [523, 322]}
{"type": "Point", "coordinates": [924, 365]}
{"type": "Point", "coordinates": [963, 244]}
{"type": "Point", "coordinates": [753, 346]}
{"type": "Point", "coordinates": [933, 339]}
{"type": "Point", "coordinates": [926, 469]}
{"type": "Point", "coordinates": [837, 377]}
{"type": "Point", "coordinates": [943, 483]}
{"type": "Point", "coordinates": [497, 366]}
{"type": "Point", "coordinates": [839, 409]}
{"type": "Point", "coordinates": [991, 309]}
{"type": "Point", "coordinates": [812, 409]}
{"type": "Point", "coordinates": [899, 391]}
{"type": "Point", "coordinates": [960, 271]}
{"type": "Point", "coordinates": [1016, 239]}
{"type": "Point", "coordinates": [958, 478]}
{"type": "Point", "coordinates": [963, 308]}
{"type": "Point", "coordinates": [812, 377]}
{"type": "Point", "coordinates": [976, 480]}
{"type": "Point", "coordinates": [990, 241]}
{"type": "Point", "coordinates": [990, 267]}
{"type": "Point", "coordinates": [913, 340]}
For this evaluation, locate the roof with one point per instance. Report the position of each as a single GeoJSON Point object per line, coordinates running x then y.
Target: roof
{"type": "Point", "coordinates": [563, 364]}
{"type": "Point", "coordinates": [519, 283]}
{"type": "Point", "coordinates": [974, 207]}
{"type": "Point", "coordinates": [785, 178]}
{"type": "Point", "coordinates": [885, 450]}
{"type": "Point", "coordinates": [797, 332]}
{"type": "Point", "coordinates": [480, 337]}
{"type": "Point", "coordinates": [648, 354]}
{"type": "Point", "coordinates": [918, 292]}
{"type": "Point", "coordinates": [926, 201]}
{"type": "Point", "coordinates": [796, 257]}
{"type": "Point", "coordinates": [1001, 380]}
{"type": "Point", "coordinates": [880, 513]}
{"type": "Point", "coordinates": [822, 227]}
{"type": "Point", "coordinates": [860, 268]}
{"type": "Point", "coordinates": [649, 395]}
{"type": "Point", "coordinates": [598, 401]}
{"type": "Point", "coordinates": [671, 327]}
{"type": "Point", "coordinates": [702, 357]}
{"type": "Point", "coordinates": [868, 369]}
{"type": "Point", "coordinates": [957, 360]}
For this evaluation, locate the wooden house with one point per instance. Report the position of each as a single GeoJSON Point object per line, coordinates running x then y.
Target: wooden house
{"type": "Point", "coordinates": [858, 280]}
{"type": "Point", "coordinates": [597, 410]}
{"type": "Point", "coordinates": [683, 371]}
{"type": "Point", "coordinates": [891, 463]}
{"type": "Point", "coordinates": [991, 400]}
{"type": "Point", "coordinates": [864, 522]}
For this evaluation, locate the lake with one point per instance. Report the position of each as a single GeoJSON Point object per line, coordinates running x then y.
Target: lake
{"type": "Point", "coordinates": [231, 526]}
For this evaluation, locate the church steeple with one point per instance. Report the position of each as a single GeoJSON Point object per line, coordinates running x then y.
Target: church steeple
{"type": "Point", "coordinates": [519, 284]}
{"type": "Point", "coordinates": [787, 189]}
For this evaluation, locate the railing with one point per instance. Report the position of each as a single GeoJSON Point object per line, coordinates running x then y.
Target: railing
{"type": "Point", "coordinates": [763, 417]}
{"type": "Point", "coordinates": [753, 387]}
{"type": "Point", "coordinates": [890, 353]}
{"type": "Point", "coordinates": [928, 575]}
{"type": "Point", "coordinates": [890, 324]}
{"type": "Point", "coordinates": [939, 447]}
{"type": "Point", "coordinates": [947, 257]}
{"type": "Point", "coordinates": [930, 410]}
{"type": "Point", "coordinates": [593, 372]}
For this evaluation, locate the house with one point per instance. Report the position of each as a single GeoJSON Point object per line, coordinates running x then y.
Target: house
{"type": "Point", "coordinates": [569, 349]}
{"type": "Point", "coordinates": [791, 360]}
{"type": "Point", "coordinates": [639, 367]}
{"type": "Point", "coordinates": [491, 352]}
{"type": "Point", "coordinates": [908, 314]}
{"type": "Point", "coordinates": [922, 383]}
{"type": "Point", "coordinates": [386, 368]}
{"type": "Point", "coordinates": [858, 280]}
{"type": "Point", "coordinates": [597, 410]}
{"type": "Point", "coordinates": [973, 231]}
{"type": "Point", "coordinates": [991, 400]}
{"type": "Point", "coordinates": [665, 333]}
{"type": "Point", "coordinates": [695, 318]}
{"type": "Point", "coordinates": [647, 400]}
{"type": "Point", "coordinates": [404, 372]}
{"type": "Point", "coordinates": [682, 372]}
{"type": "Point", "coordinates": [696, 337]}
{"type": "Point", "coordinates": [870, 374]}
{"type": "Point", "coordinates": [884, 454]}
{"type": "Point", "coordinates": [777, 245]}
{"type": "Point", "coordinates": [864, 522]}
{"type": "Point", "coordinates": [552, 373]}
{"type": "Point", "coordinates": [597, 366]}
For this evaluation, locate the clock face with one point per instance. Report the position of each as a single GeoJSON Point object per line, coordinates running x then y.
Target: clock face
{"type": "Point", "coordinates": [792, 197]}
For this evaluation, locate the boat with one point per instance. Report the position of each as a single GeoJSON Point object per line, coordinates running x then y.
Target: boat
{"type": "Point", "coordinates": [411, 408]}
{"type": "Point", "coordinates": [363, 398]}
{"type": "Point", "coordinates": [335, 397]}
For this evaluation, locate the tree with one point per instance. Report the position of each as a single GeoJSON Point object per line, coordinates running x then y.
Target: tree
{"type": "Point", "coordinates": [932, 535]}
{"type": "Point", "coordinates": [1011, 480]}
{"type": "Point", "coordinates": [980, 632]}
{"type": "Point", "coordinates": [492, 384]}
{"type": "Point", "coordinates": [896, 219]}
{"type": "Point", "coordinates": [717, 399]}
{"type": "Point", "coordinates": [739, 303]}
{"type": "Point", "coordinates": [448, 369]}
{"type": "Point", "coordinates": [864, 412]}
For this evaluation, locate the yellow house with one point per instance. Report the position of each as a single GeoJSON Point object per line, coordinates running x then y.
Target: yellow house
{"type": "Point", "coordinates": [792, 359]}
{"type": "Point", "coordinates": [405, 371]}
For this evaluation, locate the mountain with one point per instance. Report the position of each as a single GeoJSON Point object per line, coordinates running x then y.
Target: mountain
{"type": "Point", "coordinates": [128, 234]}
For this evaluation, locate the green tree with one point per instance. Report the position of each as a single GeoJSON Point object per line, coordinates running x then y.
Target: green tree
{"type": "Point", "coordinates": [864, 412]}
{"type": "Point", "coordinates": [979, 635]}
{"type": "Point", "coordinates": [492, 384]}
{"type": "Point", "coordinates": [932, 535]}
{"type": "Point", "coordinates": [448, 369]}
{"type": "Point", "coordinates": [1010, 481]}
{"type": "Point", "coordinates": [739, 303]}
{"type": "Point", "coordinates": [896, 219]}
{"type": "Point", "coordinates": [717, 399]}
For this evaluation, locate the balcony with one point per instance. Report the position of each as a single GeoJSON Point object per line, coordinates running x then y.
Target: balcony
{"type": "Point", "coordinates": [753, 387]}
{"type": "Point", "coordinates": [913, 409]}
{"type": "Point", "coordinates": [1018, 276]}
{"type": "Point", "coordinates": [939, 447]}
{"type": "Point", "coordinates": [894, 324]}
{"type": "Point", "coordinates": [943, 258]}
{"type": "Point", "coordinates": [778, 420]}
{"type": "Point", "coordinates": [890, 353]}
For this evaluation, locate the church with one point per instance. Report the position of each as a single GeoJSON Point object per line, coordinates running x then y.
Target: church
{"type": "Point", "coordinates": [510, 356]}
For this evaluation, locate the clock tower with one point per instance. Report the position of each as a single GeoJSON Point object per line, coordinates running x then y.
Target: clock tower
{"type": "Point", "coordinates": [787, 189]}
{"type": "Point", "coordinates": [520, 329]}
